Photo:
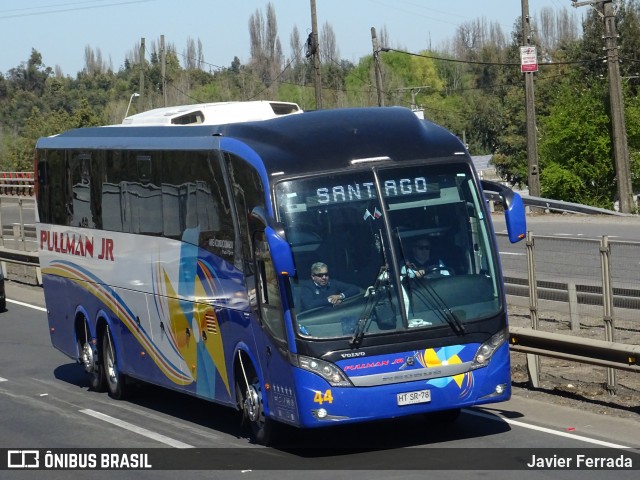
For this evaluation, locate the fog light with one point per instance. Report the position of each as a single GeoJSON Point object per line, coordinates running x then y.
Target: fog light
{"type": "Point", "coordinates": [322, 413]}
{"type": "Point", "coordinates": [500, 388]}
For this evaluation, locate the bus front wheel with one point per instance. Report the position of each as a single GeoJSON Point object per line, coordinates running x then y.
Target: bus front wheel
{"type": "Point", "coordinates": [115, 379]}
{"type": "Point", "coordinates": [263, 429]}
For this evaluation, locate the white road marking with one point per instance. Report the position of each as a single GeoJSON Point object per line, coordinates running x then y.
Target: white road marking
{"type": "Point", "coordinates": [545, 430]}
{"type": "Point", "coordinates": [139, 430]}
{"type": "Point", "coordinates": [3, 379]}
{"type": "Point", "coordinates": [28, 305]}
{"type": "Point", "coordinates": [512, 253]}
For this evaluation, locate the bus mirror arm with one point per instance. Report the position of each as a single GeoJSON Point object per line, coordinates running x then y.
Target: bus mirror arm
{"type": "Point", "coordinates": [260, 214]}
{"type": "Point", "coordinates": [278, 245]}
{"type": "Point", "coordinates": [513, 210]}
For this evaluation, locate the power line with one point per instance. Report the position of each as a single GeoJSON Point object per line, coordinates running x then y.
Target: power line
{"type": "Point", "coordinates": [497, 64]}
{"type": "Point", "coordinates": [11, 10]}
{"type": "Point", "coordinates": [63, 10]}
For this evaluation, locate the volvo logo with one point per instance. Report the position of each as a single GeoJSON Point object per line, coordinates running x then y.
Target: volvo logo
{"type": "Point", "coordinates": [352, 355]}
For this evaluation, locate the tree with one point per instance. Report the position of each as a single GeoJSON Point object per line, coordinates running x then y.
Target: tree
{"type": "Point", "coordinates": [93, 62]}
{"type": "Point", "coordinates": [629, 30]}
{"type": "Point", "coordinates": [575, 147]}
{"type": "Point", "coordinates": [32, 76]}
{"type": "Point", "coordinates": [266, 51]}
{"type": "Point", "coordinates": [193, 55]}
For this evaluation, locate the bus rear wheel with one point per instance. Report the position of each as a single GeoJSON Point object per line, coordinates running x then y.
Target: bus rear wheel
{"type": "Point", "coordinates": [115, 379]}
{"type": "Point", "coordinates": [92, 365]}
{"type": "Point", "coordinates": [90, 359]}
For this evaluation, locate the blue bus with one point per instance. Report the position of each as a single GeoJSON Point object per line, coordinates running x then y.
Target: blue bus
{"type": "Point", "coordinates": [269, 265]}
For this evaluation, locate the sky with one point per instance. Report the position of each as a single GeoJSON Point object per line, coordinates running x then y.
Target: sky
{"type": "Point", "coordinates": [61, 29]}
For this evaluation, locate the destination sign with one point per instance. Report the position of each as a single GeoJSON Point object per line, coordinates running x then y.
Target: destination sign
{"type": "Point", "coordinates": [367, 190]}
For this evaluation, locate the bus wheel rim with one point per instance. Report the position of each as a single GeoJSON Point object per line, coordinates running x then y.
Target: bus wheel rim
{"type": "Point", "coordinates": [252, 404]}
{"type": "Point", "coordinates": [86, 357]}
{"type": "Point", "coordinates": [111, 369]}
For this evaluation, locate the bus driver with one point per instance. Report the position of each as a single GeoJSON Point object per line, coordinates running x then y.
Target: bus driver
{"type": "Point", "coordinates": [422, 264]}
{"type": "Point", "coordinates": [322, 292]}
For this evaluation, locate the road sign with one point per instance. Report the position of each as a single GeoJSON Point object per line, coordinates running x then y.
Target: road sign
{"type": "Point", "coordinates": [528, 59]}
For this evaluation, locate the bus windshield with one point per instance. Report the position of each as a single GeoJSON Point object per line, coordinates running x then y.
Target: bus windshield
{"type": "Point", "coordinates": [430, 264]}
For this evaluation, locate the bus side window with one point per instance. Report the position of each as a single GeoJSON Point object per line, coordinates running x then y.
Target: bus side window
{"type": "Point", "coordinates": [80, 208]}
{"type": "Point", "coordinates": [268, 290]}
{"type": "Point", "coordinates": [248, 193]}
{"type": "Point", "coordinates": [53, 194]}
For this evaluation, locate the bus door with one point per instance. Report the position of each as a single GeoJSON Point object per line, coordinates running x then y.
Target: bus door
{"type": "Point", "coordinates": [263, 290]}
{"type": "Point", "coordinates": [273, 341]}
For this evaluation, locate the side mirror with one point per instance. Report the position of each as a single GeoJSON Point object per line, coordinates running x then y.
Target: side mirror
{"type": "Point", "coordinates": [280, 253]}
{"type": "Point", "coordinates": [513, 210]}
{"type": "Point", "coordinates": [278, 246]}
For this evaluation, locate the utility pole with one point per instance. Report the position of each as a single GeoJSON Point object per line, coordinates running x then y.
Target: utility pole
{"type": "Point", "coordinates": [163, 63]}
{"type": "Point", "coordinates": [141, 98]}
{"type": "Point", "coordinates": [414, 92]}
{"type": "Point", "coordinates": [619, 131]}
{"type": "Point", "coordinates": [316, 55]}
{"type": "Point", "coordinates": [621, 149]}
{"type": "Point", "coordinates": [532, 141]}
{"type": "Point", "coordinates": [378, 69]}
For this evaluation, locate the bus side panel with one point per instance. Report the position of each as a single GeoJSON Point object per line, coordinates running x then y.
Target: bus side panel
{"type": "Point", "coordinates": [146, 353]}
{"type": "Point", "coordinates": [169, 303]}
{"type": "Point", "coordinates": [280, 402]}
{"type": "Point", "coordinates": [60, 302]}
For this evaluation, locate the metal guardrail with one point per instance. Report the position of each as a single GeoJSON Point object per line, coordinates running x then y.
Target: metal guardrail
{"type": "Point", "coordinates": [573, 294]}
{"type": "Point", "coordinates": [591, 351]}
{"type": "Point", "coordinates": [550, 205]}
{"type": "Point", "coordinates": [19, 257]}
{"type": "Point", "coordinates": [17, 183]}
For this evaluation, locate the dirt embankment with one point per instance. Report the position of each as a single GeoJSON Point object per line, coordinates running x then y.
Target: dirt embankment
{"type": "Point", "coordinates": [579, 385]}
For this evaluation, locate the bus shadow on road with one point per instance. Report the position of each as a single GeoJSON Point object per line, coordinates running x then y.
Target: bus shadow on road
{"type": "Point", "coordinates": [73, 374]}
{"type": "Point", "coordinates": [410, 431]}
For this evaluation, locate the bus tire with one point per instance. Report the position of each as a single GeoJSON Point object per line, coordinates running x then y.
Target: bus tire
{"type": "Point", "coordinates": [91, 361]}
{"type": "Point", "coordinates": [263, 428]}
{"type": "Point", "coordinates": [97, 379]}
{"type": "Point", "coordinates": [116, 380]}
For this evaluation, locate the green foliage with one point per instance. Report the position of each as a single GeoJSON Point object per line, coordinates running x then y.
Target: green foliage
{"type": "Point", "coordinates": [563, 184]}
{"type": "Point", "coordinates": [632, 118]}
{"type": "Point", "coordinates": [575, 148]}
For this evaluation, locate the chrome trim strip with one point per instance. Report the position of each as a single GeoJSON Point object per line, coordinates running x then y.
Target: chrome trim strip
{"type": "Point", "coordinates": [428, 373]}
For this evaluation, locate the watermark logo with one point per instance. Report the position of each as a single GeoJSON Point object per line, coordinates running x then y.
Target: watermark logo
{"type": "Point", "coordinates": [23, 459]}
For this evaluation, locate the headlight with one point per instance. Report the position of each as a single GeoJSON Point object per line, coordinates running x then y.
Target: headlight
{"type": "Point", "coordinates": [330, 372]}
{"type": "Point", "coordinates": [488, 348]}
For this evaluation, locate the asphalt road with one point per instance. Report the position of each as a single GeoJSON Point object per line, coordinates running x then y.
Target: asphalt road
{"type": "Point", "coordinates": [45, 403]}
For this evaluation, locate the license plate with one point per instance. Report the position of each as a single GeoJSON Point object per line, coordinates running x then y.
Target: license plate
{"type": "Point", "coordinates": [419, 396]}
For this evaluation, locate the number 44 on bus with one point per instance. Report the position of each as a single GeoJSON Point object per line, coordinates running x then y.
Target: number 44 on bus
{"type": "Point", "coordinates": [312, 269]}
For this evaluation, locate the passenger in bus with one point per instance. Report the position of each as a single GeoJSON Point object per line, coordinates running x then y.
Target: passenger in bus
{"type": "Point", "coordinates": [319, 291]}
{"type": "Point", "coordinates": [421, 264]}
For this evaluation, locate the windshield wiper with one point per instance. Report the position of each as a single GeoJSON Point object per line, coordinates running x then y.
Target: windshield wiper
{"type": "Point", "coordinates": [365, 315]}
{"type": "Point", "coordinates": [441, 307]}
